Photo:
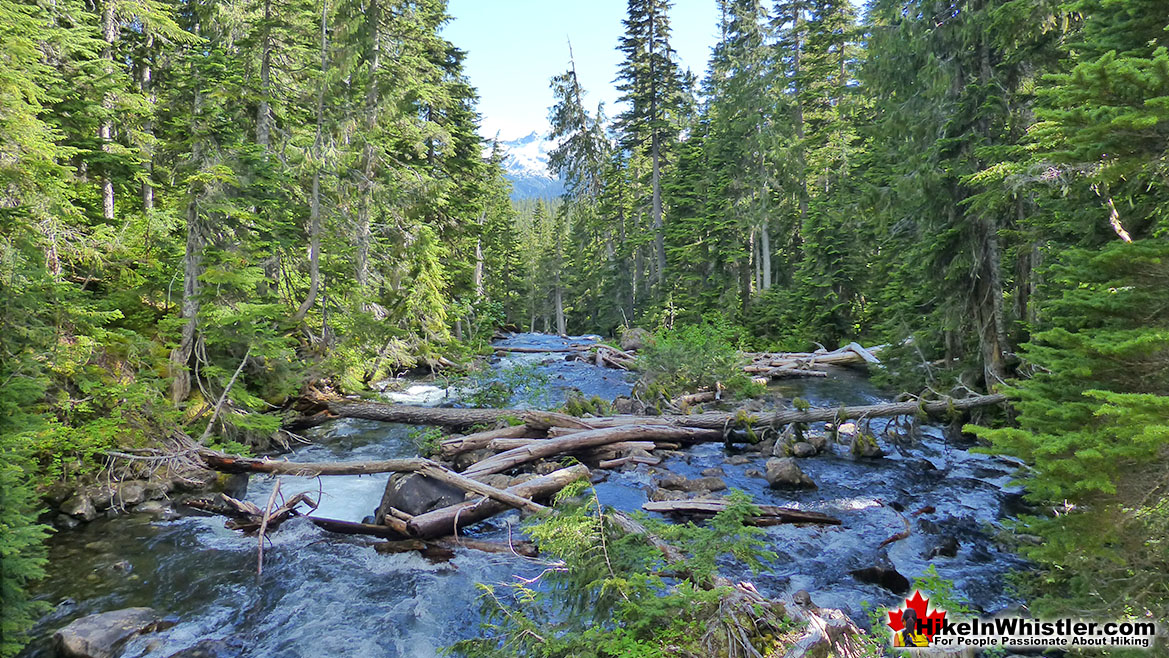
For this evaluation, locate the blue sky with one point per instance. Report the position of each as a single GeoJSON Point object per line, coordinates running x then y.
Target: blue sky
{"type": "Point", "coordinates": [515, 46]}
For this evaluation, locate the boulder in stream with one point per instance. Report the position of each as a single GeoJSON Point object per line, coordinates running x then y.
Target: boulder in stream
{"type": "Point", "coordinates": [80, 507]}
{"type": "Point", "coordinates": [417, 494]}
{"type": "Point", "coordinates": [103, 635]}
{"type": "Point", "coordinates": [883, 575]}
{"type": "Point", "coordinates": [634, 338]}
{"type": "Point", "coordinates": [802, 449]}
{"type": "Point", "coordinates": [783, 473]}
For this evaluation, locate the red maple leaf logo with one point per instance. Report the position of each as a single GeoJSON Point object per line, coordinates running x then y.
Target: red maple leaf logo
{"type": "Point", "coordinates": [931, 621]}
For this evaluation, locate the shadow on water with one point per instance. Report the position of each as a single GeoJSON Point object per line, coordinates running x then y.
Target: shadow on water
{"type": "Point", "coordinates": [324, 595]}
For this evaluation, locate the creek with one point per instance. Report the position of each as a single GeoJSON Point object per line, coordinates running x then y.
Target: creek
{"type": "Point", "coordinates": [328, 595]}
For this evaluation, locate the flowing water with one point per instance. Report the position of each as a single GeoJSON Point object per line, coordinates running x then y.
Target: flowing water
{"type": "Point", "coordinates": [326, 595]}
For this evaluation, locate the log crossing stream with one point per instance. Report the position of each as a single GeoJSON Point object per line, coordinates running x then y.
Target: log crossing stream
{"type": "Point", "coordinates": [327, 595]}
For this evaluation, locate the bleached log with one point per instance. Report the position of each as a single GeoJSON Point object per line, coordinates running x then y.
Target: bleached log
{"type": "Point", "coordinates": [442, 522]}
{"type": "Point", "coordinates": [592, 438]}
{"type": "Point", "coordinates": [713, 420]}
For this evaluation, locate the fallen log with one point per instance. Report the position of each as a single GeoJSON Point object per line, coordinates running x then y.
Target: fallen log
{"type": "Point", "coordinates": [767, 512]}
{"type": "Point", "coordinates": [480, 440]}
{"type": "Point", "coordinates": [412, 415]}
{"type": "Point", "coordinates": [712, 420]}
{"type": "Point", "coordinates": [540, 350]}
{"type": "Point", "coordinates": [588, 439]}
{"type": "Point", "coordinates": [354, 528]}
{"type": "Point", "coordinates": [521, 548]}
{"type": "Point", "coordinates": [418, 465]}
{"type": "Point", "coordinates": [445, 521]}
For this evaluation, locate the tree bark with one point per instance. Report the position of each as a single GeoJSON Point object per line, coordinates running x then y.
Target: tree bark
{"type": "Point", "coordinates": [264, 111]}
{"type": "Point", "coordinates": [314, 249]}
{"type": "Point", "coordinates": [106, 130]}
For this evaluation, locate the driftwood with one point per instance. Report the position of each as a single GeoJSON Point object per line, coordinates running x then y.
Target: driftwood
{"type": "Point", "coordinates": [419, 465]}
{"type": "Point", "coordinates": [807, 364]}
{"type": "Point", "coordinates": [541, 350]}
{"type": "Point", "coordinates": [769, 514]}
{"type": "Point", "coordinates": [444, 521]}
{"type": "Point", "coordinates": [714, 420]}
{"type": "Point", "coordinates": [479, 440]}
{"type": "Point", "coordinates": [588, 439]}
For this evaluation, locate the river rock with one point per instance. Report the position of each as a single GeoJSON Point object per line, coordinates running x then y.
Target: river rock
{"type": "Point", "coordinates": [463, 461]}
{"type": "Point", "coordinates": [623, 405]}
{"type": "Point", "coordinates": [499, 481]}
{"type": "Point", "coordinates": [882, 576]}
{"type": "Point", "coordinates": [697, 485]}
{"type": "Point", "coordinates": [102, 495]}
{"type": "Point", "coordinates": [634, 338]}
{"type": "Point", "coordinates": [713, 471]}
{"type": "Point", "coordinates": [659, 495]}
{"type": "Point", "coordinates": [546, 467]}
{"type": "Point", "coordinates": [737, 460]}
{"type": "Point", "coordinates": [754, 473]}
{"type": "Point", "coordinates": [65, 522]}
{"type": "Point", "coordinates": [802, 449]}
{"type": "Point", "coordinates": [766, 447]}
{"type": "Point", "coordinates": [944, 547]}
{"type": "Point", "coordinates": [417, 494]}
{"type": "Point", "coordinates": [865, 446]}
{"type": "Point", "coordinates": [130, 493]}
{"type": "Point", "coordinates": [80, 507]}
{"type": "Point", "coordinates": [782, 473]}
{"type": "Point", "coordinates": [103, 635]}
{"type": "Point", "coordinates": [157, 509]}
{"type": "Point", "coordinates": [58, 492]}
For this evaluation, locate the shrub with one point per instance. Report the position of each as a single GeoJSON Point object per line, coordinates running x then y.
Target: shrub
{"type": "Point", "coordinates": [697, 356]}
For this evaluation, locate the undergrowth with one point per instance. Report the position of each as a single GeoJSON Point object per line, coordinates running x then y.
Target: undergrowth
{"type": "Point", "coordinates": [608, 593]}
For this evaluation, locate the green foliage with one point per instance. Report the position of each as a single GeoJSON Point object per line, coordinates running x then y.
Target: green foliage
{"type": "Point", "coordinates": [1093, 421]}
{"type": "Point", "coordinates": [610, 593]}
{"type": "Point", "coordinates": [426, 440]}
{"type": "Point", "coordinates": [690, 357]}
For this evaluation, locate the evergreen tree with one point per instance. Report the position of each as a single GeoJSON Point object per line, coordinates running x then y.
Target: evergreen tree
{"type": "Point", "coordinates": [653, 87]}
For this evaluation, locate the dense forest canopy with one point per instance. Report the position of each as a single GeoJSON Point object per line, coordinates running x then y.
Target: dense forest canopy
{"type": "Point", "coordinates": [269, 195]}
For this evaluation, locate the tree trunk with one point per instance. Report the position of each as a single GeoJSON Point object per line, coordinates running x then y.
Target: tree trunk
{"type": "Point", "coordinates": [457, 418]}
{"type": "Point", "coordinates": [148, 127]}
{"type": "Point", "coordinates": [478, 274]}
{"type": "Point", "coordinates": [364, 235]}
{"type": "Point", "coordinates": [314, 249]}
{"type": "Point", "coordinates": [180, 357]}
{"type": "Point", "coordinates": [765, 255]}
{"type": "Point", "coordinates": [264, 111]}
{"type": "Point", "coordinates": [106, 130]}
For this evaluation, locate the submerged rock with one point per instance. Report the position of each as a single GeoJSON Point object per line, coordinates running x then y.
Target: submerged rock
{"type": "Point", "coordinates": [883, 576]}
{"type": "Point", "coordinates": [738, 460]}
{"type": "Point", "coordinates": [782, 473]}
{"type": "Point", "coordinates": [103, 635]}
{"type": "Point", "coordinates": [945, 547]}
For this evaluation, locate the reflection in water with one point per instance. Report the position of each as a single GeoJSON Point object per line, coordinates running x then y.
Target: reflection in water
{"type": "Point", "coordinates": [323, 595]}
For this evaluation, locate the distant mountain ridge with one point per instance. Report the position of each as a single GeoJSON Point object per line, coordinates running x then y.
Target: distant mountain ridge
{"type": "Point", "coordinates": [526, 166]}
